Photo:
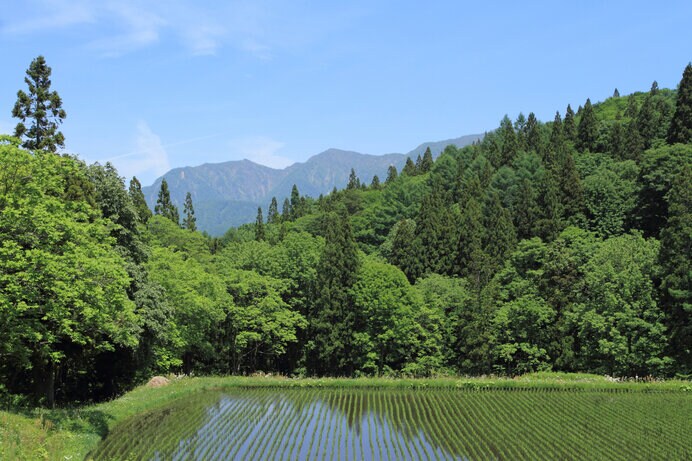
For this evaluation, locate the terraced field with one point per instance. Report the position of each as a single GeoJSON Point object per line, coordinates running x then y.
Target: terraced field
{"type": "Point", "coordinates": [393, 424]}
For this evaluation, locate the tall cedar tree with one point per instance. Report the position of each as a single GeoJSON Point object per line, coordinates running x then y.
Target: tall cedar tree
{"type": "Point", "coordinates": [273, 213]}
{"type": "Point", "coordinates": [680, 130]}
{"type": "Point", "coordinates": [569, 125]}
{"type": "Point", "coordinates": [375, 184]}
{"type": "Point", "coordinates": [259, 226]}
{"type": "Point", "coordinates": [533, 134]}
{"type": "Point", "coordinates": [500, 237]}
{"type": "Point", "coordinates": [648, 120]}
{"type": "Point", "coordinates": [616, 139]}
{"type": "Point", "coordinates": [164, 206]}
{"type": "Point", "coordinates": [391, 174]}
{"type": "Point", "coordinates": [189, 221]}
{"type": "Point", "coordinates": [557, 144]}
{"type": "Point", "coordinates": [587, 132]}
{"type": "Point", "coordinates": [509, 141]}
{"type": "Point", "coordinates": [427, 162]}
{"type": "Point", "coordinates": [286, 211]}
{"type": "Point", "coordinates": [42, 107]}
{"type": "Point", "coordinates": [676, 248]}
{"type": "Point", "coordinates": [409, 168]}
{"type": "Point", "coordinates": [296, 210]}
{"type": "Point", "coordinates": [433, 247]}
{"type": "Point", "coordinates": [353, 181]}
{"type": "Point", "coordinates": [137, 197]}
{"type": "Point", "coordinates": [334, 320]}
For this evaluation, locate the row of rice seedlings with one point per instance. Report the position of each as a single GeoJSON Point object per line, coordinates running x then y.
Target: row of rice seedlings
{"type": "Point", "coordinates": [380, 414]}
{"type": "Point", "coordinates": [318, 425]}
{"type": "Point", "coordinates": [287, 417]}
{"type": "Point", "coordinates": [502, 419]}
{"type": "Point", "coordinates": [388, 423]}
{"type": "Point", "coordinates": [332, 446]}
{"type": "Point", "coordinates": [419, 437]}
{"type": "Point", "coordinates": [175, 439]}
{"type": "Point", "coordinates": [266, 432]}
{"type": "Point", "coordinates": [312, 428]}
{"type": "Point", "coordinates": [307, 421]}
{"type": "Point", "coordinates": [250, 420]}
{"type": "Point", "coordinates": [402, 422]}
{"type": "Point", "coordinates": [566, 413]}
{"type": "Point", "coordinates": [232, 426]}
{"type": "Point", "coordinates": [373, 426]}
{"type": "Point", "coordinates": [455, 427]}
{"type": "Point", "coordinates": [286, 442]}
{"type": "Point", "coordinates": [323, 441]}
{"type": "Point", "coordinates": [447, 435]}
{"type": "Point", "coordinates": [203, 439]}
{"type": "Point", "coordinates": [433, 423]}
{"type": "Point", "coordinates": [476, 438]}
{"type": "Point", "coordinates": [298, 429]}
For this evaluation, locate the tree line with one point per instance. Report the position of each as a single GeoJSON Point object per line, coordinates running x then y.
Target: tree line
{"type": "Point", "coordinates": [562, 245]}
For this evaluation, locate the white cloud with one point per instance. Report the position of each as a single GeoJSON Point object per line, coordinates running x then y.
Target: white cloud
{"type": "Point", "coordinates": [128, 25]}
{"type": "Point", "coordinates": [148, 161]}
{"type": "Point", "coordinates": [261, 150]}
{"type": "Point", "coordinates": [57, 14]}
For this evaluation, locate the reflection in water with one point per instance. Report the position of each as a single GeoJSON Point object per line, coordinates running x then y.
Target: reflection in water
{"type": "Point", "coordinates": [344, 424]}
{"type": "Point", "coordinates": [336, 424]}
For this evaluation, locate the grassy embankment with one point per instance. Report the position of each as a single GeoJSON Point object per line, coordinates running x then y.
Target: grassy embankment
{"type": "Point", "coordinates": [69, 434]}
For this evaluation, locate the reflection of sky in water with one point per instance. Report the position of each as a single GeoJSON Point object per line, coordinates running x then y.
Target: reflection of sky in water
{"type": "Point", "coordinates": [275, 426]}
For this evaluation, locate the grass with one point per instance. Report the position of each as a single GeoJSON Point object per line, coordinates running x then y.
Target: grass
{"type": "Point", "coordinates": [71, 433]}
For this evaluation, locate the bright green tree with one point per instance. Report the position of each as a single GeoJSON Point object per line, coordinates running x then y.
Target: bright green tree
{"type": "Point", "coordinates": [140, 204]}
{"type": "Point", "coordinates": [569, 125]}
{"type": "Point", "coordinates": [427, 161]}
{"type": "Point", "coordinates": [273, 216]}
{"type": "Point", "coordinates": [42, 108]}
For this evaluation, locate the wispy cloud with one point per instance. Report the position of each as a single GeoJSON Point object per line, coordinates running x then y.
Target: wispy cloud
{"type": "Point", "coordinates": [128, 25]}
{"type": "Point", "coordinates": [262, 150]}
{"type": "Point", "coordinates": [148, 160]}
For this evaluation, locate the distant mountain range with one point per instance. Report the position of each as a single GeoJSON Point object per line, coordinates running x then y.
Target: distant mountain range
{"type": "Point", "coordinates": [228, 194]}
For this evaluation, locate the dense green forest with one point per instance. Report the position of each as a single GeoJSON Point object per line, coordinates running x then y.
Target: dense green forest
{"type": "Point", "coordinates": [563, 245]}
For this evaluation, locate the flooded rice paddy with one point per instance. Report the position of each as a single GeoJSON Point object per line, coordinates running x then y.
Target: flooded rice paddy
{"type": "Point", "coordinates": [347, 424]}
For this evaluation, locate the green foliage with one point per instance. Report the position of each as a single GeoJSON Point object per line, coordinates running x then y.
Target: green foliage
{"type": "Point", "coordinates": [587, 129]}
{"type": "Point", "coordinates": [680, 130]}
{"type": "Point", "coordinates": [63, 286]}
{"type": "Point", "coordinates": [138, 201]}
{"type": "Point", "coordinates": [189, 220]}
{"type": "Point", "coordinates": [164, 205]}
{"type": "Point", "coordinates": [42, 107]}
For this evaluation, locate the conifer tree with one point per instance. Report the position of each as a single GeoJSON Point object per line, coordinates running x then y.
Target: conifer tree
{"type": "Point", "coordinates": [140, 204]}
{"type": "Point", "coordinates": [508, 149]}
{"type": "Point", "coordinates": [500, 237]}
{"type": "Point", "coordinates": [433, 247]}
{"type": "Point", "coordinates": [533, 134]}
{"type": "Point", "coordinates": [259, 226]}
{"type": "Point", "coordinates": [164, 205]}
{"type": "Point", "coordinates": [409, 168]}
{"type": "Point", "coordinates": [402, 255]}
{"type": "Point", "coordinates": [616, 93]}
{"type": "Point", "coordinates": [648, 121]}
{"type": "Point", "coordinates": [632, 108]}
{"type": "Point", "coordinates": [189, 221]}
{"type": "Point", "coordinates": [375, 184]}
{"type": "Point", "coordinates": [676, 248]}
{"type": "Point", "coordinates": [571, 192]}
{"type": "Point", "coordinates": [273, 212]}
{"type": "Point", "coordinates": [296, 208]}
{"type": "Point", "coordinates": [569, 127]}
{"type": "Point", "coordinates": [526, 209]}
{"type": "Point", "coordinates": [634, 145]}
{"type": "Point", "coordinates": [419, 161]}
{"type": "Point", "coordinates": [334, 321]}
{"type": "Point", "coordinates": [286, 211]}
{"type": "Point", "coordinates": [427, 162]}
{"type": "Point", "coordinates": [42, 108]}
{"type": "Point", "coordinates": [353, 181]}
{"type": "Point", "coordinates": [587, 132]}
{"type": "Point", "coordinates": [616, 139]}
{"type": "Point", "coordinates": [680, 130]}
{"type": "Point", "coordinates": [391, 174]}
{"type": "Point", "coordinates": [557, 139]}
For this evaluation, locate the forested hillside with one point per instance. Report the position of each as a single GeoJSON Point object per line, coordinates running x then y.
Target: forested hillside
{"type": "Point", "coordinates": [563, 245]}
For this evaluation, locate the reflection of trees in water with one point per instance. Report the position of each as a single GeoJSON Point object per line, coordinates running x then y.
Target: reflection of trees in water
{"type": "Point", "coordinates": [342, 423]}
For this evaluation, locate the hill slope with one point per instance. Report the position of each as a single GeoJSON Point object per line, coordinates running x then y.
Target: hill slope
{"type": "Point", "coordinates": [228, 194]}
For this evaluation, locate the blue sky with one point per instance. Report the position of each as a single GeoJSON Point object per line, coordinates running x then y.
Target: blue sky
{"type": "Point", "coordinates": [152, 85]}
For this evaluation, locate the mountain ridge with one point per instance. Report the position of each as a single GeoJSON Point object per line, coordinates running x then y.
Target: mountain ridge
{"type": "Point", "coordinates": [228, 193]}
